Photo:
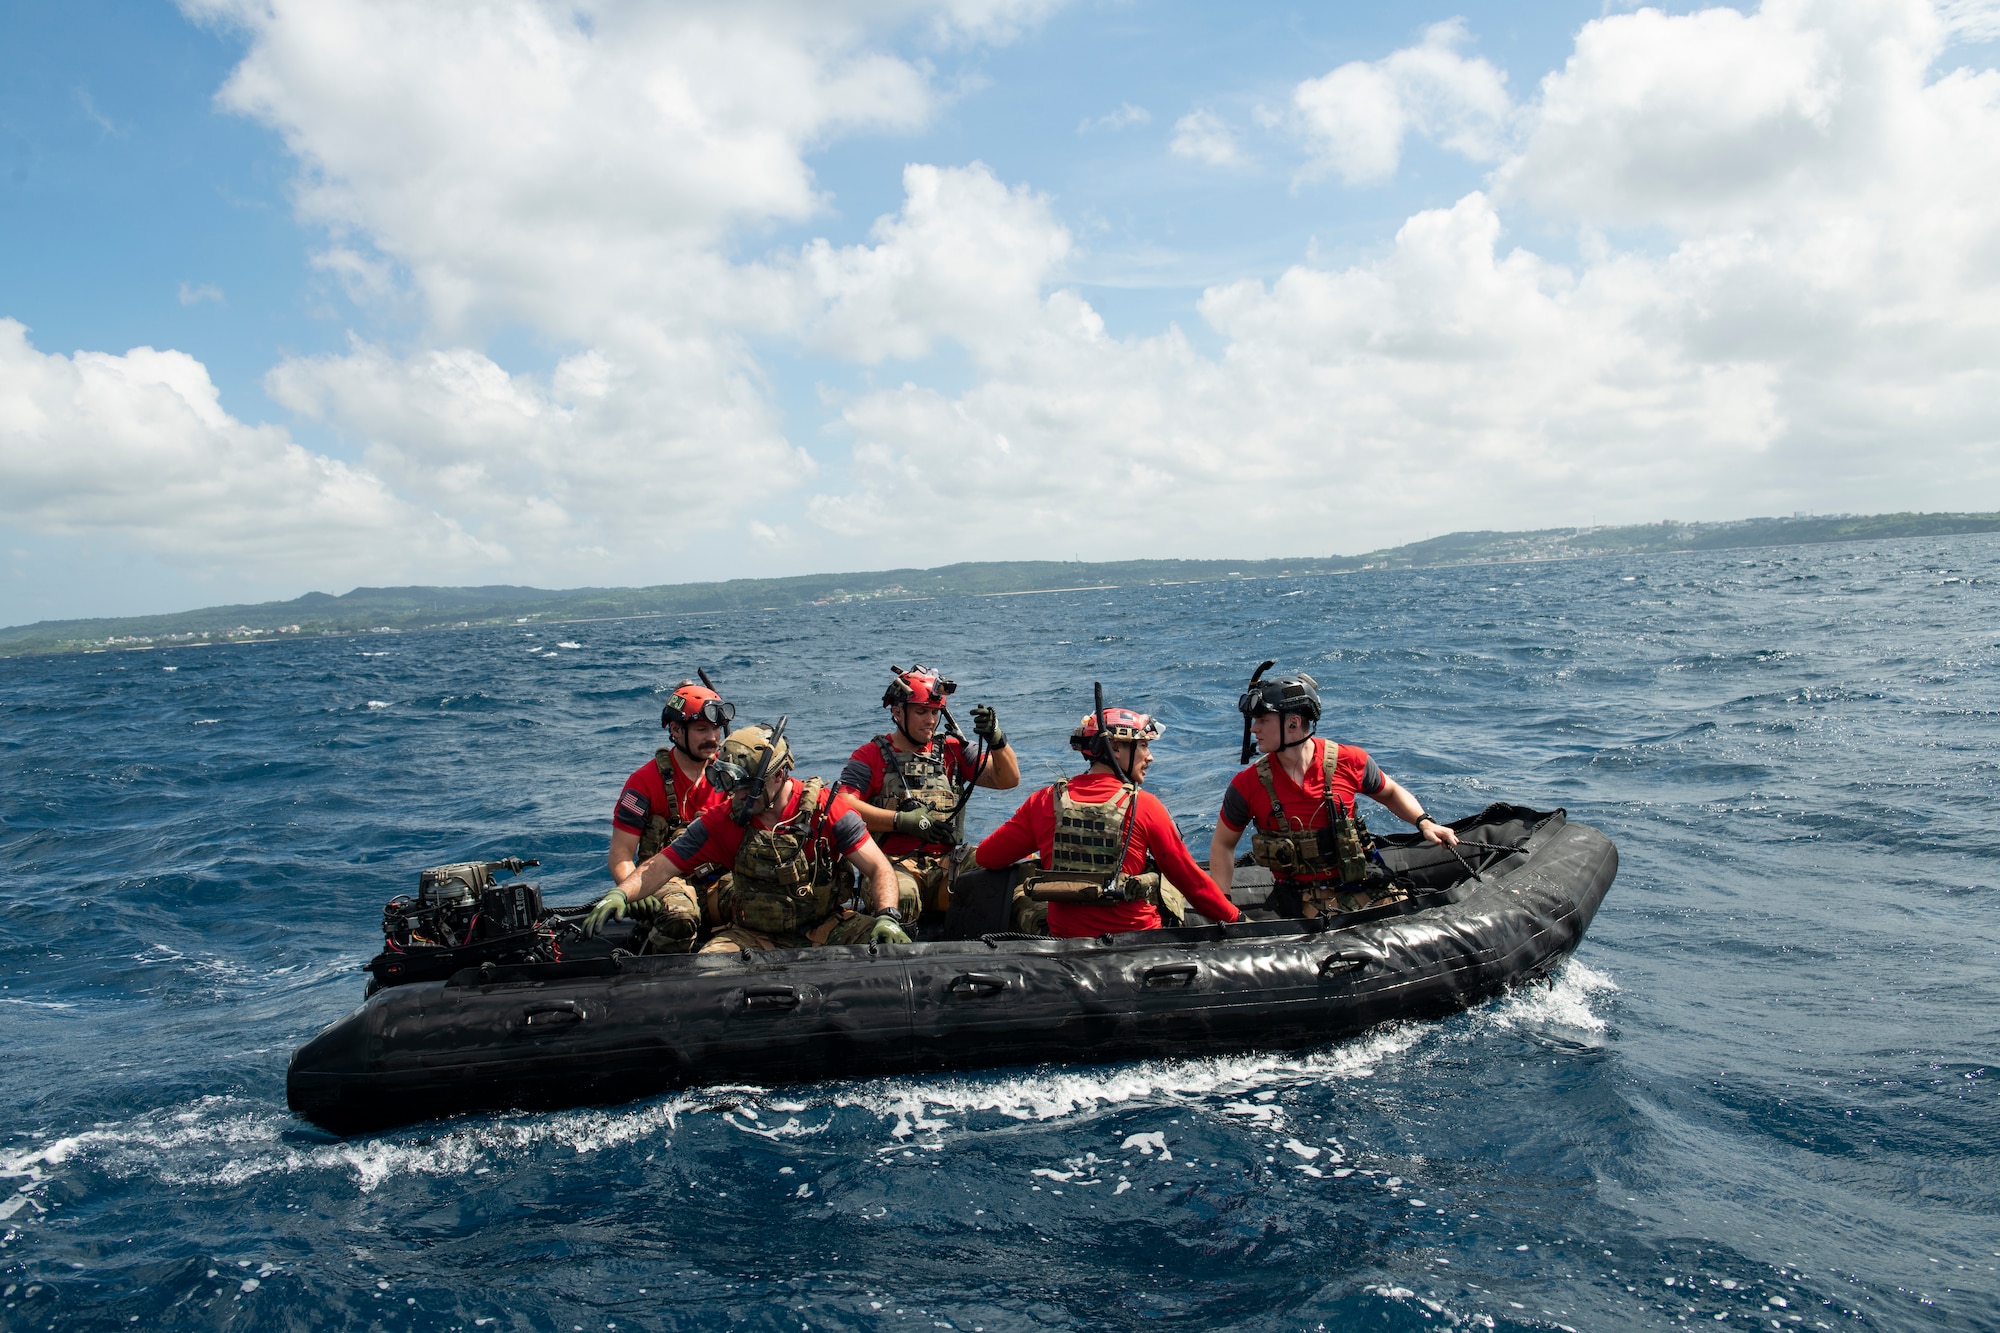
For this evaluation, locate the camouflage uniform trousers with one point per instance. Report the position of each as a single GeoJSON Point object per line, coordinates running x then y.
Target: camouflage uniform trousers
{"type": "Point", "coordinates": [678, 912]}
{"type": "Point", "coordinates": [1316, 900]}
{"type": "Point", "coordinates": [923, 883]}
{"type": "Point", "coordinates": [840, 928]}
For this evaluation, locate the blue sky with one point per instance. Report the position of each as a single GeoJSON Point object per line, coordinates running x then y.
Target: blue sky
{"type": "Point", "coordinates": [618, 294]}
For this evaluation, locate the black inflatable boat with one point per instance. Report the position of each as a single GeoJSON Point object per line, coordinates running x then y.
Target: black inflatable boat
{"type": "Point", "coordinates": [610, 1028]}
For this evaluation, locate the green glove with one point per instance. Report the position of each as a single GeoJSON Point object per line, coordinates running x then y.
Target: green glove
{"type": "Point", "coordinates": [929, 825]}
{"type": "Point", "coordinates": [646, 909]}
{"type": "Point", "coordinates": [986, 723]}
{"type": "Point", "coordinates": [609, 908]}
{"type": "Point", "coordinates": [887, 932]}
{"type": "Point", "coordinates": [920, 823]}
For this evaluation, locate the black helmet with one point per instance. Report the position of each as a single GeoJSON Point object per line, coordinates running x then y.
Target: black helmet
{"type": "Point", "coordinates": [1286, 694]}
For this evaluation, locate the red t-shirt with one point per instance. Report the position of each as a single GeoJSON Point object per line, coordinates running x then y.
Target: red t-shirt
{"type": "Point", "coordinates": [863, 775]}
{"type": "Point", "coordinates": [1032, 832]}
{"type": "Point", "coordinates": [714, 838]}
{"type": "Point", "coordinates": [645, 791]}
{"type": "Point", "coordinates": [1353, 771]}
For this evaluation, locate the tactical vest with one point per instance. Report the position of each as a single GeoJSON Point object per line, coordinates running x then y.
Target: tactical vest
{"type": "Point", "coordinates": [1292, 851]}
{"type": "Point", "coordinates": [911, 781]}
{"type": "Point", "coordinates": [783, 881]}
{"type": "Point", "coordinates": [1088, 855]}
{"type": "Point", "coordinates": [662, 826]}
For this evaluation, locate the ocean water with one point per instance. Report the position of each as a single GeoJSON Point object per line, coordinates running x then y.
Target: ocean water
{"type": "Point", "coordinates": [1762, 1092]}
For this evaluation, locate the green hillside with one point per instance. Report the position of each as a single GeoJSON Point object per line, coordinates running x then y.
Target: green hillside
{"type": "Point", "coordinates": [383, 610]}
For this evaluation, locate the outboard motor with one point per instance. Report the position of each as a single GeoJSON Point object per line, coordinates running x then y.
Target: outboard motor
{"type": "Point", "coordinates": [461, 917]}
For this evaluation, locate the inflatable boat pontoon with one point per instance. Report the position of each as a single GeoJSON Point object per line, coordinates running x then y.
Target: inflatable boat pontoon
{"type": "Point", "coordinates": [615, 1027]}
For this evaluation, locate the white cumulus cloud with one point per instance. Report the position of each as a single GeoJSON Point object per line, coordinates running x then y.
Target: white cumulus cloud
{"type": "Point", "coordinates": [1355, 119]}
{"type": "Point", "coordinates": [140, 444]}
{"type": "Point", "coordinates": [1203, 136]}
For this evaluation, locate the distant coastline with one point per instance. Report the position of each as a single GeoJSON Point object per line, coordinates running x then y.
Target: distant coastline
{"type": "Point", "coordinates": [402, 610]}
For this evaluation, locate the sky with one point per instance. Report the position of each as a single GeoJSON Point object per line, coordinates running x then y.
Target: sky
{"type": "Point", "coordinates": [309, 294]}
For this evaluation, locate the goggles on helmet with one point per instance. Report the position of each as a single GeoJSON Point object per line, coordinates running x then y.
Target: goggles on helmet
{"type": "Point", "coordinates": [1120, 724]}
{"type": "Point", "coordinates": [1289, 694]}
{"type": "Point", "coordinates": [696, 703]}
{"type": "Point", "coordinates": [919, 686]}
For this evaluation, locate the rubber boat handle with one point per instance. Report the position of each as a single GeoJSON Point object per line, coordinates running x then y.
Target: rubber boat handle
{"type": "Point", "coordinates": [1336, 963]}
{"type": "Point", "coordinates": [552, 1016]}
{"type": "Point", "coordinates": [1171, 974]}
{"type": "Point", "coordinates": [771, 997]}
{"type": "Point", "coordinates": [977, 983]}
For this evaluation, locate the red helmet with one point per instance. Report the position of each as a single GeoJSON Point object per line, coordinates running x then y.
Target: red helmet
{"type": "Point", "coordinates": [696, 703]}
{"type": "Point", "coordinates": [920, 686]}
{"type": "Point", "coordinates": [1121, 724]}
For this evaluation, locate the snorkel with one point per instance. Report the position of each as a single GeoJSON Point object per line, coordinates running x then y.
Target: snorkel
{"type": "Point", "coordinates": [1250, 744]}
{"type": "Point", "coordinates": [739, 809]}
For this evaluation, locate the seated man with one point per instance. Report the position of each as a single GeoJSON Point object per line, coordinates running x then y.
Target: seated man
{"type": "Point", "coordinates": [905, 785]}
{"type": "Point", "coordinates": [658, 803]}
{"type": "Point", "coordinates": [1093, 834]}
{"type": "Point", "coordinates": [780, 837]}
{"type": "Point", "coordinates": [1300, 793]}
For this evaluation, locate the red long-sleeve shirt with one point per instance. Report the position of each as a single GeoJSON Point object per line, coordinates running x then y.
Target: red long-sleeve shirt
{"type": "Point", "coordinates": [1032, 832]}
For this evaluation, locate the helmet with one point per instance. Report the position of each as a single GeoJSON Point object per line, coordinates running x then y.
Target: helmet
{"type": "Point", "coordinates": [1286, 694]}
{"type": "Point", "coordinates": [919, 685]}
{"type": "Point", "coordinates": [691, 703]}
{"type": "Point", "coordinates": [1121, 724]}
{"type": "Point", "coordinates": [743, 753]}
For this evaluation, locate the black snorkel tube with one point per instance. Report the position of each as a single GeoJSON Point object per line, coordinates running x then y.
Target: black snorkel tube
{"type": "Point", "coordinates": [739, 809]}
{"type": "Point", "coordinates": [707, 682]}
{"type": "Point", "coordinates": [1249, 745]}
{"type": "Point", "coordinates": [978, 765]}
{"type": "Point", "coordinates": [1104, 734]}
{"type": "Point", "coordinates": [1113, 887]}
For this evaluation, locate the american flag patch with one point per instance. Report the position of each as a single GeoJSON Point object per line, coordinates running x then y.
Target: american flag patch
{"type": "Point", "coordinates": [634, 806]}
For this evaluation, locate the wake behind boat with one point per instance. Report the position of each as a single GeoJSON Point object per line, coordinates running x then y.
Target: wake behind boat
{"type": "Point", "coordinates": [591, 1029]}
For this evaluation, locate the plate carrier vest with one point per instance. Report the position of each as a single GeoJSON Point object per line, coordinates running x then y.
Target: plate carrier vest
{"type": "Point", "coordinates": [662, 826]}
{"type": "Point", "coordinates": [783, 882]}
{"type": "Point", "coordinates": [1088, 854]}
{"type": "Point", "coordinates": [1291, 851]}
{"type": "Point", "coordinates": [913, 780]}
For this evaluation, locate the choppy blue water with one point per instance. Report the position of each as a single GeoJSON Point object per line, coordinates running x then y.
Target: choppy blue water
{"type": "Point", "coordinates": [1761, 1092]}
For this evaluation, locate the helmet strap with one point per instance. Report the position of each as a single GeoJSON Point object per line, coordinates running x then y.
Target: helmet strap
{"type": "Point", "coordinates": [915, 744]}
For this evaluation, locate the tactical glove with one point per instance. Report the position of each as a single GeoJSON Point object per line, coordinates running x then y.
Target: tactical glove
{"type": "Point", "coordinates": [986, 723]}
{"type": "Point", "coordinates": [609, 908]}
{"type": "Point", "coordinates": [925, 824]}
{"type": "Point", "coordinates": [887, 932]}
{"type": "Point", "coordinates": [646, 910]}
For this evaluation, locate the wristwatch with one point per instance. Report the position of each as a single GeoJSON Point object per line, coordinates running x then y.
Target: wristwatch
{"type": "Point", "coordinates": [894, 914]}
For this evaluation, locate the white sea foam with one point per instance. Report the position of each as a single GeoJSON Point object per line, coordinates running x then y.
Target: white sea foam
{"type": "Point", "coordinates": [1563, 1008]}
{"type": "Point", "coordinates": [376, 703]}
{"type": "Point", "coordinates": [567, 644]}
{"type": "Point", "coordinates": [219, 1141]}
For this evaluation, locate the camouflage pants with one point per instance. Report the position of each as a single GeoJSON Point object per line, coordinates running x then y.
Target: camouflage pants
{"type": "Point", "coordinates": [1316, 900]}
{"type": "Point", "coordinates": [923, 883]}
{"type": "Point", "coordinates": [841, 928]}
{"type": "Point", "coordinates": [676, 915]}
{"type": "Point", "coordinates": [1027, 916]}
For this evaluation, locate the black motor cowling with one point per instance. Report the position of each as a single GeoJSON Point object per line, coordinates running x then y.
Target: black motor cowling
{"type": "Point", "coordinates": [461, 917]}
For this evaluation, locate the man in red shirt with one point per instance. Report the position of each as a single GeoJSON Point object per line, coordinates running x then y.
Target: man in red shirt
{"type": "Point", "coordinates": [661, 799]}
{"type": "Point", "coordinates": [780, 838]}
{"type": "Point", "coordinates": [1300, 794]}
{"type": "Point", "coordinates": [905, 785]}
{"type": "Point", "coordinates": [1093, 834]}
